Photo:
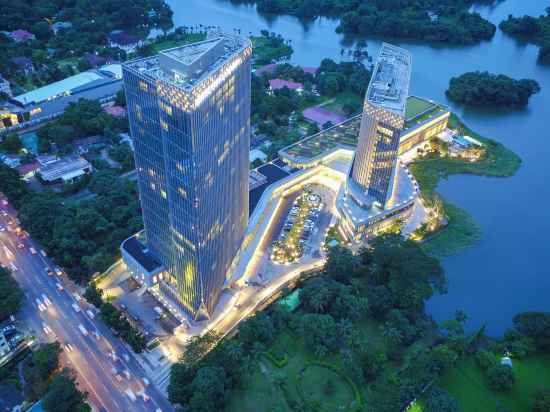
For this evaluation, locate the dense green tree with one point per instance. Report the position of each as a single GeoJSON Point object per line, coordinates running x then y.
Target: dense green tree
{"type": "Point", "coordinates": [441, 401]}
{"type": "Point", "coordinates": [63, 395]}
{"type": "Point", "coordinates": [11, 143]}
{"type": "Point", "coordinates": [320, 333]}
{"type": "Point", "coordinates": [94, 295]}
{"type": "Point", "coordinates": [209, 389]}
{"type": "Point", "coordinates": [500, 377]}
{"type": "Point", "coordinates": [403, 267]}
{"type": "Point", "coordinates": [486, 89]}
{"type": "Point", "coordinates": [535, 325]}
{"type": "Point", "coordinates": [533, 29]}
{"type": "Point", "coordinates": [542, 401]}
{"type": "Point", "coordinates": [11, 295]}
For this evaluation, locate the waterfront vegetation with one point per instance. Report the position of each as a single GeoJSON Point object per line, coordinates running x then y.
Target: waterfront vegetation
{"type": "Point", "coordinates": [358, 339]}
{"type": "Point", "coordinates": [269, 48]}
{"type": "Point", "coordinates": [532, 29]}
{"type": "Point", "coordinates": [486, 89]}
{"type": "Point", "coordinates": [461, 230]}
{"type": "Point", "coordinates": [447, 21]}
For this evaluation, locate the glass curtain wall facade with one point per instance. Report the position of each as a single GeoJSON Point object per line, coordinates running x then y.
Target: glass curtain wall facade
{"type": "Point", "coordinates": [383, 120]}
{"type": "Point", "coordinates": [189, 111]}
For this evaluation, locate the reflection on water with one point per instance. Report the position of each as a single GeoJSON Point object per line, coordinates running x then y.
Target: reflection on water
{"type": "Point", "coordinates": [507, 271]}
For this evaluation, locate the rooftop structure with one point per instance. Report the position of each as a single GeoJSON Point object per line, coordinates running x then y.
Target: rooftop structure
{"type": "Point", "coordinates": [389, 85]}
{"type": "Point", "coordinates": [276, 84]}
{"type": "Point", "coordinates": [59, 88]}
{"type": "Point", "coordinates": [321, 116]}
{"type": "Point", "coordinates": [21, 35]}
{"type": "Point", "coordinates": [424, 119]}
{"type": "Point", "coordinates": [65, 169]}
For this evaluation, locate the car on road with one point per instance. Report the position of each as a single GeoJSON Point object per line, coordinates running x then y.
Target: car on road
{"type": "Point", "coordinates": [83, 329]}
{"type": "Point", "coordinates": [47, 329]}
{"type": "Point", "coordinates": [20, 246]}
{"type": "Point", "coordinates": [47, 301]}
{"type": "Point", "coordinates": [2, 229]}
{"type": "Point", "coordinates": [131, 394]}
{"type": "Point", "coordinates": [77, 297]}
{"type": "Point", "coordinates": [43, 253]}
{"type": "Point", "coordinates": [90, 314]}
{"type": "Point", "coordinates": [40, 305]}
{"type": "Point", "coordinates": [68, 347]}
{"type": "Point", "coordinates": [32, 250]}
{"type": "Point", "coordinates": [49, 271]}
{"type": "Point", "coordinates": [58, 271]}
{"type": "Point", "coordinates": [76, 307]}
{"type": "Point", "coordinates": [13, 267]}
{"type": "Point", "coordinates": [59, 286]}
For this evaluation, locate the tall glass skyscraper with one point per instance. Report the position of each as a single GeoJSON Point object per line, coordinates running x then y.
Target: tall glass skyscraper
{"type": "Point", "coordinates": [378, 190]}
{"type": "Point", "coordinates": [375, 163]}
{"type": "Point", "coordinates": [189, 112]}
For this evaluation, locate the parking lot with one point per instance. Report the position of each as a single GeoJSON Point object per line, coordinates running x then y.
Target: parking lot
{"type": "Point", "coordinates": [299, 226]}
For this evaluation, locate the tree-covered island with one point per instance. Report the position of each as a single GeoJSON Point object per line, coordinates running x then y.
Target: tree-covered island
{"type": "Point", "coordinates": [447, 21]}
{"type": "Point", "coordinates": [487, 89]}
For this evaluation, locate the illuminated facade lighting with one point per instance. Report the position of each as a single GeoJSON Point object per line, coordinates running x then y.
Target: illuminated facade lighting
{"type": "Point", "coordinates": [194, 109]}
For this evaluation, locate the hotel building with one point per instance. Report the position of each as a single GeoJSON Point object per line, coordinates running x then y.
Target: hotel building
{"type": "Point", "coordinates": [379, 190]}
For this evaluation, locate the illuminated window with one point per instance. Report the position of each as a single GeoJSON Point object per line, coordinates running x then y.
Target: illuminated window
{"type": "Point", "coordinates": [143, 86]}
{"type": "Point", "coordinates": [164, 125]}
{"type": "Point", "coordinates": [163, 193]}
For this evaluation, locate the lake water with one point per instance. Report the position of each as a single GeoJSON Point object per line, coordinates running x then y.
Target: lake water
{"type": "Point", "coordinates": [507, 271]}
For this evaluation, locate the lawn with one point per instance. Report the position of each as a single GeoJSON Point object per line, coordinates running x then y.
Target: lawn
{"type": "Point", "coordinates": [416, 106]}
{"type": "Point", "coordinates": [270, 388]}
{"type": "Point", "coordinates": [325, 388]}
{"type": "Point", "coordinates": [467, 383]}
{"type": "Point", "coordinates": [461, 232]}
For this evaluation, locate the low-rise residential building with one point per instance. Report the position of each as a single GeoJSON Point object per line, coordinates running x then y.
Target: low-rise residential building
{"type": "Point", "coordinates": [125, 41]}
{"type": "Point", "coordinates": [65, 170]}
{"type": "Point", "coordinates": [20, 36]}
{"type": "Point", "coordinates": [28, 170]}
{"type": "Point", "coordinates": [11, 160]}
{"type": "Point", "coordinates": [276, 84]}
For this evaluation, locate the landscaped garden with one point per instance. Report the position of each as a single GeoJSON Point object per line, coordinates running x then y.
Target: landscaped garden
{"type": "Point", "coordinates": [461, 230]}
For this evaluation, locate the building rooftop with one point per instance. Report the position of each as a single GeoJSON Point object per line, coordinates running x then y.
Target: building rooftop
{"type": "Point", "coordinates": [60, 88]}
{"type": "Point", "coordinates": [71, 166]}
{"type": "Point", "coordinates": [188, 66]}
{"type": "Point", "coordinates": [276, 84]}
{"type": "Point", "coordinates": [389, 85]}
{"type": "Point", "coordinates": [141, 254]}
{"type": "Point", "coordinates": [344, 134]}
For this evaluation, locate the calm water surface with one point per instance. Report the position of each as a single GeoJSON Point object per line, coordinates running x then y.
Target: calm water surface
{"type": "Point", "coordinates": [507, 271]}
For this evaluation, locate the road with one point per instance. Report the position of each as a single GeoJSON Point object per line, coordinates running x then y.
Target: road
{"type": "Point", "coordinates": [89, 355]}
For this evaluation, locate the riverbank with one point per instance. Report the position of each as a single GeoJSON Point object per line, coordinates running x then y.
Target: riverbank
{"type": "Point", "coordinates": [461, 230]}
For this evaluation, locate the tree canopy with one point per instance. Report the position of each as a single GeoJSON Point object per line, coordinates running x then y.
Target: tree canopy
{"type": "Point", "coordinates": [63, 395]}
{"type": "Point", "coordinates": [11, 295]}
{"type": "Point", "coordinates": [533, 29]}
{"type": "Point", "coordinates": [447, 21]}
{"type": "Point", "coordinates": [486, 89]}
